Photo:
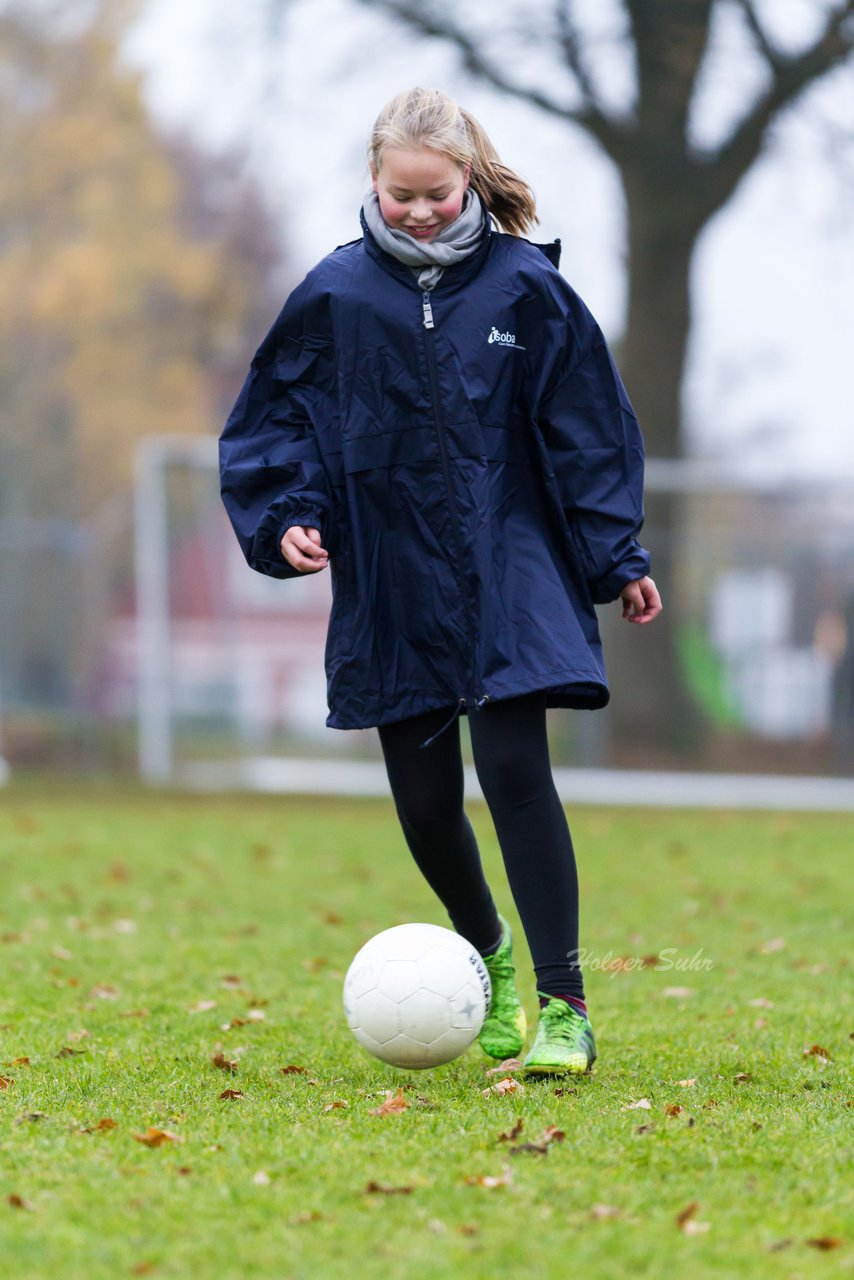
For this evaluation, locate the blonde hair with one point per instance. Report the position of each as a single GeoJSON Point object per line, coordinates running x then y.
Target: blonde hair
{"type": "Point", "coordinates": [429, 118]}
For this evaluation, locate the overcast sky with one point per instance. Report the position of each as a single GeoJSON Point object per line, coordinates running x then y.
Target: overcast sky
{"type": "Point", "coordinates": [769, 385]}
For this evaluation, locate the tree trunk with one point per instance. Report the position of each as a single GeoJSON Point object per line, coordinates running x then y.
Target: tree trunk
{"type": "Point", "coordinates": [652, 714]}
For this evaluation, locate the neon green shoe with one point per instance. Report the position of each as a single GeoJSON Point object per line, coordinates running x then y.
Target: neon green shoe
{"type": "Point", "coordinates": [503, 1032]}
{"type": "Point", "coordinates": [563, 1043]}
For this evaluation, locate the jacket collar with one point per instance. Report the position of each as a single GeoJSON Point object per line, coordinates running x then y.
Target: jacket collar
{"type": "Point", "coordinates": [452, 277]}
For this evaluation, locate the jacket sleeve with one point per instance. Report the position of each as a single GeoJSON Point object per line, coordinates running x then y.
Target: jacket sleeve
{"type": "Point", "coordinates": [595, 449]}
{"type": "Point", "coordinates": [271, 470]}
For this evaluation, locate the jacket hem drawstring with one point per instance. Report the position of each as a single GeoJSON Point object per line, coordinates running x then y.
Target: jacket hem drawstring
{"type": "Point", "coordinates": [482, 702]}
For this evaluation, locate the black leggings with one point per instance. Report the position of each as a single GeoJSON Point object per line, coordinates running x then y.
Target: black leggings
{"type": "Point", "coordinates": [511, 756]}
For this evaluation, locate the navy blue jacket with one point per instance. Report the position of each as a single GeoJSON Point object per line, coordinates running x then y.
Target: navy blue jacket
{"type": "Point", "coordinates": [473, 463]}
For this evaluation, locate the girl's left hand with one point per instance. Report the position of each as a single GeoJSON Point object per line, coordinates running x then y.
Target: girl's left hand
{"type": "Point", "coordinates": [641, 601]}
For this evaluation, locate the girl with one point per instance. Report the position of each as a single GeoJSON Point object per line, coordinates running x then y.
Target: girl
{"type": "Point", "coordinates": [435, 415]}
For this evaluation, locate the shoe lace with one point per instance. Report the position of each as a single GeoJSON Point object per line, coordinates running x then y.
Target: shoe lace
{"type": "Point", "coordinates": [561, 1022]}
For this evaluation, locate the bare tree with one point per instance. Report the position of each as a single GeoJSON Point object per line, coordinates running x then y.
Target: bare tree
{"type": "Point", "coordinates": [672, 187]}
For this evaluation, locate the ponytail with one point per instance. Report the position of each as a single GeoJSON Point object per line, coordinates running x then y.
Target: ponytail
{"type": "Point", "coordinates": [429, 118]}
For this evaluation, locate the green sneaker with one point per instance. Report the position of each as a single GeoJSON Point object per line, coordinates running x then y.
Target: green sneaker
{"type": "Point", "coordinates": [564, 1041]}
{"type": "Point", "coordinates": [503, 1032]}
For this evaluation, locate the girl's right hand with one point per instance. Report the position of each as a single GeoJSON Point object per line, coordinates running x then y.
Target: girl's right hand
{"type": "Point", "coordinates": [301, 548]}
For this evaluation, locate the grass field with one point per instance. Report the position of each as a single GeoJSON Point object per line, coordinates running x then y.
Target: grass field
{"type": "Point", "coordinates": [142, 936]}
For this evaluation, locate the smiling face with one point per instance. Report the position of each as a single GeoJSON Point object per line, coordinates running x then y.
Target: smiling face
{"type": "Point", "coordinates": [420, 190]}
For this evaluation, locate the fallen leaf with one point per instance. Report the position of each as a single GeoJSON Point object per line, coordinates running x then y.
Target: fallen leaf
{"type": "Point", "coordinates": [507, 1085]}
{"type": "Point", "coordinates": [203, 1006]}
{"type": "Point", "coordinates": [17, 1202]}
{"type": "Point", "coordinates": [511, 1134]}
{"type": "Point", "coordinates": [103, 1126]}
{"type": "Point", "coordinates": [67, 1052]}
{"type": "Point", "coordinates": [307, 1215]}
{"type": "Point", "coordinates": [339, 1103]}
{"type": "Point", "coordinates": [642, 1104]}
{"type": "Point", "coordinates": [155, 1137]}
{"type": "Point", "coordinates": [383, 1189]}
{"type": "Point", "coordinates": [231, 1093]}
{"type": "Point", "coordinates": [509, 1064]}
{"type": "Point", "coordinates": [5, 1081]}
{"type": "Point", "coordinates": [32, 1117]}
{"type": "Point", "coordinates": [815, 1050]}
{"type": "Point", "coordinates": [742, 1077]}
{"type": "Point", "coordinates": [694, 1228]}
{"type": "Point", "coordinates": [781, 1244]}
{"type": "Point", "coordinates": [645, 1128]}
{"type": "Point", "coordinates": [825, 1242]}
{"type": "Point", "coordinates": [393, 1104]}
{"type": "Point", "coordinates": [134, 1013]}
{"type": "Point", "coordinates": [468, 1228]}
{"type": "Point", "coordinates": [184, 1170]}
{"type": "Point", "coordinates": [256, 1015]}
{"type": "Point", "coordinates": [689, 1083]}
{"type": "Point", "coordinates": [224, 1064]}
{"type": "Point", "coordinates": [604, 1211]}
{"type": "Point", "coordinates": [230, 980]}
{"type": "Point", "coordinates": [687, 1213]}
{"type": "Point", "coordinates": [540, 1145]}
{"type": "Point", "coordinates": [19, 1062]}
{"type": "Point", "coordinates": [332, 917]}
{"type": "Point", "coordinates": [103, 991]}
{"type": "Point", "coordinates": [672, 1109]}
{"type": "Point", "coordinates": [491, 1180]}
{"type": "Point", "coordinates": [292, 1070]}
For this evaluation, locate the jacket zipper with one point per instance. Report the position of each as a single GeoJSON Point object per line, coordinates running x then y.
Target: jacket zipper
{"type": "Point", "coordinates": [443, 449]}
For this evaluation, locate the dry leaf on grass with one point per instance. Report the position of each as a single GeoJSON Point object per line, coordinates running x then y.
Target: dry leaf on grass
{"type": "Point", "coordinates": [642, 1104]}
{"type": "Point", "coordinates": [825, 1242]}
{"type": "Point", "coordinates": [383, 1189]}
{"type": "Point", "coordinates": [231, 1094]}
{"type": "Point", "coordinates": [155, 1137]}
{"type": "Point", "coordinates": [604, 1211]}
{"type": "Point", "coordinates": [104, 991]}
{"type": "Point", "coordinates": [491, 1180]}
{"type": "Point", "coordinates": [507, 1085]}
{"type": "Point", "coordinates": [672, 1109]}
{"type": "Point", "coordinates": [338, 1104]}
{"type": "Point", "coordinates": [103, 1126]}
{"type": "Point", "coordinates": [6, 1081]}
{"type": "Point", "coordinates": [19, 1062]}
{"type": "Point", "coordinates": [224, 1064]}
{"type": "Point", "coordinates": [816, 1051]}
{"type": "Point", "coordinates": [689, 1083]}
{"type": "Point", "coordinates": [393, 1104]}
{"type": "Point", "coordinates": [202, 1006]}
{"type": "Point", "coordinates": [742, 1077]}
{"type": "Point", "coordinates": [540, 1145]}
{"type": "Point", "coordinates": [687, 1222]}
{"type": "Point", "coordinates": [292, 1070]}
{"type": "Point", "coordinates": [512, 1134]}
{"type": "Point", "coordinates": [67, 1052]}
{"type": "Point", "coordinates": [509, 1064]}
{"type": "Point", "coordinates": [17, 1202]}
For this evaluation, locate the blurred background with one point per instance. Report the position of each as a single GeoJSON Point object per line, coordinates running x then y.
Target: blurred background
{"type": "Point", "coordinates": [170, 171]}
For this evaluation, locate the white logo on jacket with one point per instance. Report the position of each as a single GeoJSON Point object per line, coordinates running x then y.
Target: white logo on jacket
{"type": "Point", "coordinates": [504, 339]}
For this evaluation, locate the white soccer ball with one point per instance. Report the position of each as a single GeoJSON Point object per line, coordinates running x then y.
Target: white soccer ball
{"type": "Point", "coordinates": [416, 995]}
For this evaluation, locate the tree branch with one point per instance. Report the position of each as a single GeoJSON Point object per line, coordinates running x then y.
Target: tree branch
{"type": "Point", "coordinates": [588, 115]}
{"type": "Point", "coordinates": [791, 76]}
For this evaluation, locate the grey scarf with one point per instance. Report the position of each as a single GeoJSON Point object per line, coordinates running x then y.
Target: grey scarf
{"type": "Point", "coordinates": [428, 258]}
